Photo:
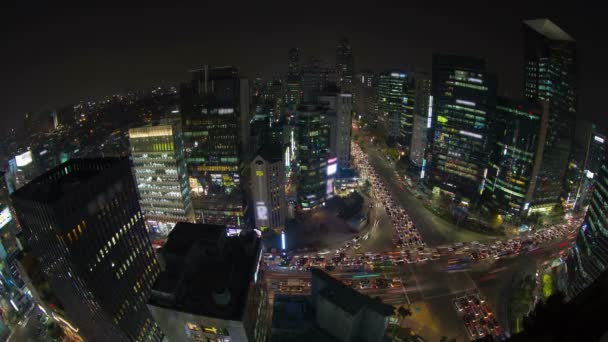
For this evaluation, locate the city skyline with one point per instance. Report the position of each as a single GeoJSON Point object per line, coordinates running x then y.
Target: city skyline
{"type": "Point", "coordinates": [97, 60]}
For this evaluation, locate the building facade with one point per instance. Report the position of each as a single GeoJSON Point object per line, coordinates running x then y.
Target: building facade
{"type": "Point", "coordinates": [514, 163]}
{"type": "Point", "coordinates": [463, 98]}
{"type": "Point", "coordinates": [396, 106]}
{"type": "Point", "coordinates": [345, 66]}
{"type": "Point", "coordinates": [550, 75]}
{"type": "Point", "coordinates": [312, 145]}
{"type": "Point", "coordinates": [84, 225]}
{"type": "Point", "coordinates": [161, 175]}
{"type": "Point", "coordinates": [268, 190]}
{"type": "Point", "coordinates": [213, 114]}
{"type": "Point", "coordinates": [338, 112]}
{"type": "Point", "coordinates": [422, 94]}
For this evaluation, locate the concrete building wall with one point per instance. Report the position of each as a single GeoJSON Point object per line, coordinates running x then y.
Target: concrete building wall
{"type": "Point", "coordinates": [182, 326]}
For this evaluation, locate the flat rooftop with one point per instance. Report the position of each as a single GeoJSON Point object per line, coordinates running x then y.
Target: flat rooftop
{"type": "Point", "coordinates": [65, 179]}
{"type": "Point", "coordinates": [205, 272]}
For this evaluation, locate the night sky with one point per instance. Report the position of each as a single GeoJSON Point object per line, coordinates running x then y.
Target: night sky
{"type": "Point", "coordinates": [53, 56]}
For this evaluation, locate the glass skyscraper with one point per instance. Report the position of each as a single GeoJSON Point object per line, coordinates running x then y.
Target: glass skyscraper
{"type": "Point", "coordinates": [161, 175]}
{"type": "Point", "coordinates": [213, 114]}
{"type": "Point", "coordinates": [84, 225]}
{"type": "Point", "coordinates": [550, 75]}
{"type": "Point", "coordinates": [312, 146]}
{"type": "Point", "coordinates": [463, 98]}
{"type": "Point", "coordinates": [396, 105]}
{"type": "Point", "coordinates": [515, 157]}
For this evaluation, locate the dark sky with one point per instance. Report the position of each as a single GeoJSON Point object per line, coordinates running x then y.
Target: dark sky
{"type": "Point", "coordinates": [52, 55]}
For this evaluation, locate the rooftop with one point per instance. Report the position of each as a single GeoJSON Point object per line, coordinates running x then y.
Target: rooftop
{"type": "Point", "coordinates": [205, 272]}
{"type": "Point", "coordinates": [548, 29]}
{"type": "Point", "coordinates": [63, 180]}
{"type": "Point", "coordinates": [347, 298]}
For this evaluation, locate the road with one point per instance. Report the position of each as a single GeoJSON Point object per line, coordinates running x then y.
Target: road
{"type": "Point", "coordinates": [433, 229]}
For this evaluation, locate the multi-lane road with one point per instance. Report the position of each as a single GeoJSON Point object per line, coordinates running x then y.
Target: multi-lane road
{"type": "Point", "coordinates": [429, 286]}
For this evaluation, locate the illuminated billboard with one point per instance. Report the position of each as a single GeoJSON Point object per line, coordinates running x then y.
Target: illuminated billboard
{"type": "Point", "coordinates": [5, 217]}
{"type": "Point", "coordinates": [332, 166]}
{"type": "Point", "coordinates": [23, 159]}
{"type": "Point", "coordinates": [329, 189]}
{"type": "Point", "coordinates": [261, 212]}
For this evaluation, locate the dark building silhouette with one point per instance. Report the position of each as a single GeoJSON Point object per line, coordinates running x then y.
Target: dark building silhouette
{"type": "Point", "coordinates": [84, 225]}
{"type": "Point", "coordinates": [550, 75]}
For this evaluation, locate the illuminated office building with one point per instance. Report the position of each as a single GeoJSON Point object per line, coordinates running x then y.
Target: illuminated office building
{"type": "Point", "coordinates": [268, 189]}
{"type": "Point", "coordinates": [396, 106]}
{"type": "Point", "coordinates": [312, 146]}
{"type": "Point", "coordinates": [422, 93]}
{"type": "Point", "coordinates": [214, 111]}
{"type": "Point", "coordinates": [550, 75]}
{"type": "Point", "coordinates": [161, 175]}
{"type": "Point", "coordinates": [463, 98]}
{"type": "Point", "coordinates": [83, 224]}
{"type": "Point", "coordinates": [337, 110]}
{"type": "Point", "coordinates": [520, 129]}
{"type": "Point", "coordinates": [588, 258]}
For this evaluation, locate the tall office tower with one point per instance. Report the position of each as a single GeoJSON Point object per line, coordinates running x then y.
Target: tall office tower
{"type": "Point", "coordinates": [363, 86]}
{"type": "Point", "coordinates": [317, 77]}
{"type": "Point", "coordinates": [161, 175]}
{"type": "Point", "coordinates": [422, 93]}
{"type": "Point", "coordinates": [550, 75]}
{"type": "Point", "coordinates": [516, 156]}
{"type": "Point", "coordinates": [345, 68]}
{"type": "Point", "coordinates": [84, 225]}
{"type": "Point", "coordinates": [312, 140]}
{"type": "Point", "coordinates": [214, 109]}
{"type": "Point", "coordinates": [594, 156]}
{"type": "Point", "coordinates": [278, 99]}
{"type": "Point", "coordinates": [293, 81]}
{"type": "Point", "coordinates": [268, 193]}
{"type": "Point", "coordinates": [589, 256]}
{"type": "Point", "coordinates": [337, 110]}
{"type": "Point", "coordinates": [293, 66]}
{"type": "Point", "coordinates": [463, 98]}
{"type": "Point", "coordinates": [395, 106]}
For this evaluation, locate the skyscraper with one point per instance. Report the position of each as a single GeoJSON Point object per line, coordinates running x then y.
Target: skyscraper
{"type": "Point", "coordinates": [422, 93]}
{"type": "Point", "coordinates": [214, 109]}
{"type": "Point", "coordinates": [463, 98]}
{"type": "Point", "coordinates": [516, 155]}
{"type": "Point", "coordinates": [550, 75]}
{"type": "Point", "coordinates": [161, 175]}
{"type": "Point", "coordinates": [293, 82]}
{"type": "Point", "coordinates": [395, 106]}
{"type": "Point", "coordinates": [312, 140]}
{"type": "Point", "coordinates": [316, 78]}
{"type": "Point", "coordinates": [338, 112]}
{"type": "Point", "coordinates": [345, 68]}
{"type": "Point", "coordinates": [85, 227]}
